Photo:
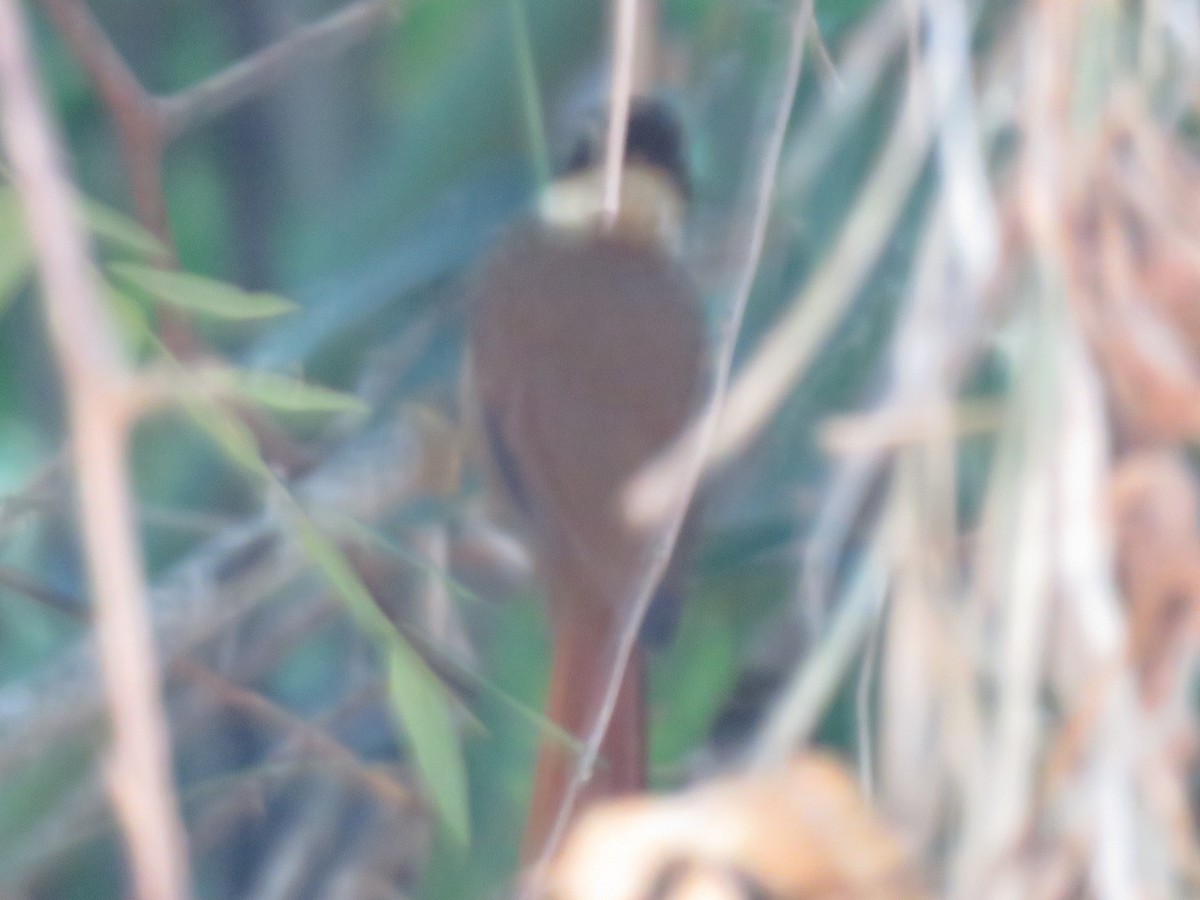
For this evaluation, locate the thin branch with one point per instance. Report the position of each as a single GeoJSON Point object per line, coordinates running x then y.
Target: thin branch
{"type": "Point", "coordinates": [290, 851]}
{"type": "Point", "coordinates": [103, 63]}
{"type": "Point", "coordinates": [863, 739]}
{"type": "Point", "coordinates": [46, 488]}
{"type": "Point", "coordinates": [138, 123]}
{"type": "Point", "coordinates": [807, 696]}
{"type": "Point", "coordinates": [146, 125]}
{"type": "Point", "coordinates": [784, 355]}
{"type": "Point", "coordinates": [862, 64]}
{"type": "Point", "coordinates": [321, 744]}
{"type": "Point", "coordinates": [79, 813]}
{"type": "Point", "coordinates": [21, 583]}
{"type": "Point", "coordinates": [213, 588]}
{"type": "Point", "coordinates": [624, 39]}
{"type": "Point", "coordinates": [234, 696]}
{"type": "Point", "coordinates": [94, 379]}
{"type": "Point", "coordinates": [669, 482]}
{"type": "Point", "coordinates": [267, 69]}
{"type": "Point", "coordinates": [825, 63]}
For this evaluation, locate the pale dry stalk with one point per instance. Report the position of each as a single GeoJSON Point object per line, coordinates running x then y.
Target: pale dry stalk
{"type": "Point", "coordinates": [96, 381]}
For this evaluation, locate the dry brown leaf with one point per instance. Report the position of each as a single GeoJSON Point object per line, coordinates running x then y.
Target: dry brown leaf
{"type": "Point", "coordinates": [1158, 552]}
{"type": "Point", "coordinates": [1154, 387]}
{"type": "Point", "coordinates": [1135, 260]}
{"type": "Point", "coordinates": [804, 831]}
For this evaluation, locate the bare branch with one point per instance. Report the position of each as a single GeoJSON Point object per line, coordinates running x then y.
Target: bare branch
{"type": "Point", "coordinates": [317, 741]}
{"type": "Point", "coordinates": [20, 582]}
{"type": "Point", "coordinates": [94, 378]}
{"type": "Point", "coordinates": [267, 69]}
{"type": "Point", "coordinates": [234, 696]}
{"type": "Point", "coordinates": [671, 479]}
{"type": "Point", "coordinates": [105, 66]}
{"type": "Point", "coordinates": [146, 124]}
{"type": "Point", "coordinates": [214, 588]}
{"type": "Point", "coordinates": [625, 21]}
{"type": "Point", "coordinates": [138, 123]}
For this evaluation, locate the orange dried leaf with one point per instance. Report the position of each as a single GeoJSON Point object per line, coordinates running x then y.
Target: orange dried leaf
{"type": "Point", "coordinates": [801, 832]}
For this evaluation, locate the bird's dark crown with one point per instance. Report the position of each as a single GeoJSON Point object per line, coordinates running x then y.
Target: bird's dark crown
{"type": "Point", "coordinates": [654, 138]}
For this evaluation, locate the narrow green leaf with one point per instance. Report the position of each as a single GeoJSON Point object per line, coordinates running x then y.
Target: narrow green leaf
{"type": "Point", "coordinates": [16, 251]}
{"type": "Point", "coordinates": [367, 534]}
{"type": "Point", "coordinates": [289, 394]}
{"type": "Point", "coordinates": [116, 228]}
{"type": "Point", "coordinates": [344, 580]}
{"type": "Point", "coordinates": [203, 296]}
{"type": "Point", "coordinates": [236, 441]}
{"type": "Point", "coordinates": [130, 316]}
{"type": "Point", "coordinates": [384, 543]}
{"type": "Point", "coordinates": [423, 706]}
{"type": "Point", "coordinates": [420, 701]}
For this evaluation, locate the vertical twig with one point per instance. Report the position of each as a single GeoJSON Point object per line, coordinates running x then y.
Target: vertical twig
{"type": "Point", "coordinates": [138, 120]}
{"type": "Point", "coordinates": [625, 17]}
{"type": "Point", "coordinates": [671, 479]}
{"type": "Point", "coordinates": [812, 686]}
{"type": "Point", "coordinates": [863, 737]}
{"type": "Point", "coordinates": [783, 355]}
{"type": "Point", "coordinates": [95, 381]}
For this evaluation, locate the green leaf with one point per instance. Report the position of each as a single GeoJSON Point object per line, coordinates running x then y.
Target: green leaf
{"type": "Point", "coordinates": [422, 704]}
{"type": "Point", "coordinates": [203, 296]}
{"type": "Point", "coordinates": [16, 250]}
{"type": "Point", "coordinates": [232, 435]}
{"type": "Point", "coordinates": [343, 578]}
{"type": "Point", "coordinates": [365, 534]}
{"type": "Point", "coordinates": [116, 228]}
{"type": "Point", "coordinates": [290, 395]}
{"type": "Point", "coordinates": [385, 544]}
{"type": "Point", "coordinates": [130, 316]}
{"type": "Point", "coordinates": [418, 698]}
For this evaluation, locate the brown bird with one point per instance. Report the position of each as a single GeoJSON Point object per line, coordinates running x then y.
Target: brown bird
{"type": "Point", "coordinates": [589, 356]}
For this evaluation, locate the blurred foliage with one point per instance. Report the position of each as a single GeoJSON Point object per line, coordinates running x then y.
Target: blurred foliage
{"type": "Point", "coordinates": [362, 191]}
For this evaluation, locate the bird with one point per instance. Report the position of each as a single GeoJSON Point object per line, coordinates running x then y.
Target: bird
{"type": "Point", "coordinates": [588, 357]}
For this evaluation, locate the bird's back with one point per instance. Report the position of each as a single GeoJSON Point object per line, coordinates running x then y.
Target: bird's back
{"type": "Point", "coordinates": [589, 358]}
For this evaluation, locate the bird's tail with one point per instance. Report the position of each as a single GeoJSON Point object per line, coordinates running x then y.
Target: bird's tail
{"type": "Point", "coordinates": [580, 677]}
